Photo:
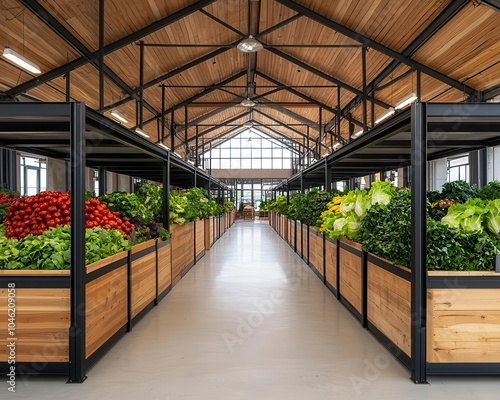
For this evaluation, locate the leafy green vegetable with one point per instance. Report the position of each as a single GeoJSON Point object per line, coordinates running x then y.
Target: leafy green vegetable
{"type": "Point", "coordinates": [492, 217]}
{"type": "Point", "coordinates": [468, 217]}
{"type": "Point", "coordinates": [490, 191]}
{"type": "Point", "coordinates": [460, 191]}
{"type": "Point", "coordinates": [381, 193]}
{"type": "Point", "coordinates": [51, 250]}
{"type": "Point", "coordinates": [152, 197]}
{"type": "Point", "coordinates": [128, 205]}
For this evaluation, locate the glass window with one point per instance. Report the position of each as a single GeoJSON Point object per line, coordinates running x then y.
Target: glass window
{"type": "Point", "coordinates": [246, 163]}
{"type": "Point", "coordinates": [277, 164]}
{"type": "Point", "coordinates": [256, 163]}
{"type": "Point", "coordinates": [215, 153]}
{"type": "Point", "coordinates": [225, 153]}
{"type": "Point", "coordinates": [235, 153]}
{"type": "Point", "coordinates": [267, 153]}
{"type": "Point", "coordinates": [235, 163]}
{"type": "Point", "coordinates": [226, 145]}
{"type": "Point", "coordinates": [215, 164]}
{"type": "Point", "coordinates": [287, 163]}
{"type": "Point", "coordinates": [267, 163]}
{"type": "Point", "coordinates": [225, 163]}
{"type": "Point", "coordinates": [246, 153]}
{"type": "Point", "coordinates": [256, 153]}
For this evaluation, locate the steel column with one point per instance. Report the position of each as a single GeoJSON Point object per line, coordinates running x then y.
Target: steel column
{"type": "Point", "coordinates": [418, 242]}
{"type": "Point", "coordinates": [103, 181]}
{"type": "Point", "coordinates": [328, 177]}
{"type": "Point", "coordinates": [166, 193]}
{"type": "Point", "coordinates": [172, 130]}
{"type": "Point", "coordinates": [186, 133]}
{"type": "Point", "coordinates": [196, 148]}
{"type": "Point", "coordinates": [162, 115]}
{"type": "Point", "coordinates": [363, 66]}
{"type": "Point", "coordinates": [77, 327]}
{"type": "Point", "coordinates": [101, 55]}
{"type": "Point", "coordinates": [67, 76]}
{"type": "Point", "coordinates": [141, 83]}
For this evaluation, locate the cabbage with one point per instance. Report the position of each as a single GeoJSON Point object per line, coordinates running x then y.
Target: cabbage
{"type": "Point", "coordinates": [468, 217]}
{"type": "Point", "coordinates": [353, 226]}
{"type": "Point", "coordinates": [381, 193]}
{"type": "Point", "coordinates": [362, 203]}
{"type": "Point", "coordinates": [348, 202]}
{"type": "Point", "coordinates": [492, 218]}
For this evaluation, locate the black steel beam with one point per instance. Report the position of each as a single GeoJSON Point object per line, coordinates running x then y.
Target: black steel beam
{"type": "Point", "coordinates": [133, 37]}
{"type": "Point", "coordinates": [377, 46]}
{"type": "Point", "coordinates": [206, 132]}
{"type": "Point", "coordinates": [52, 22]}
{"type": "Point", "coordinates": [284, 137]}
{"type": "Point", "coordinates": [277, 26]}
{"type": "Point", "coordinates": [324, 76]}
{"type": "Point", "coordinates": [221, 22]}
{"type": "Point", "coordinates": [449, 12]}
{"type": "Point", "coordinates": [208, 90]}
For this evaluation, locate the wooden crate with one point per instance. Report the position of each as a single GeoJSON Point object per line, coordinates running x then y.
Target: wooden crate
{"type": "Point", "coordinates": [389, 301]}
{"type": "Point", "coordinates": [42, 317]}
{"type": "Point", "coordinates": [285, 228]}
{"type": "Point", "coordinates": [350, 271]}
{"type": "Point", "coordinates": [143, 278]}
{"type": "Point", "coordinates": [305, 242]}
{"type": "Point", "coordinates": [331, 264]}
{"type": "Point", "coordinates": [209, 232]}
{"type": "Point", "coordinates": [298, 232]}
{"type": "Point", "coordinates": [182, 249]}
{"type": "Point", "coordinates": [164, 266]}
{"type": "Point", "coordinates": [316, 248]}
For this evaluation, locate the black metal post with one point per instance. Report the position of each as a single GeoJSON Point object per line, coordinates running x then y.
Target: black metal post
{"type": "Point", "coordinates": [478, 167]}
{"type": "Point", "coordinates": [339, 113]}
{"type": "Point", "coordinates": [320, 129]}
{"type": "Point", "coordinates": [363, 62]}
{"type": "Point", "coordinates": [302, 188]}
{"type": "Point", "coordinates": [419, 86]}
{"type": "Point", "coordinates": [141, 83]}
{"type": "Point", "coordinates": [372, 123]}
{"type": "Point", "coordinates": [77, 327]}
{"type": "Point", "coordinates": [67, 76]}
{"type": "Point", "coordinates": [308, 147]}
{"type": "Point", "coordinates": [418, 242]}
{"type": "Point", "coordinates": [101, 55]}
{"type": "Point", "coordinates": [103, 181]}
{"type": "Point", "coordinates": [162, 114]}
{"type": "Point", "coordinates": [186, 132]}
{"type": "Point", "coordinates": [8, 169]}
{"type": "Point", "coordinates": [166, 193]}
{"type": "Point", "coordinates": [172, 130]}
{"type": "Point", "coordinates": [328, 177]}
{"type": "Point", "coordinates": [196, 144]}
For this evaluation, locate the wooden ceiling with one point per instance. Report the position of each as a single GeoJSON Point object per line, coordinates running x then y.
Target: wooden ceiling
{"type": "Point", "coordinates": [310, 69]}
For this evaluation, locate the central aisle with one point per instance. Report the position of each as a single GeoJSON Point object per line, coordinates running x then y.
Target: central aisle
{"type": "Point", "coordinates": [251, 321]}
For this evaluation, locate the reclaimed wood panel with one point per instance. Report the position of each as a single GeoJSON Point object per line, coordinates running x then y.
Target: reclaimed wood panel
{"type": "Point", "coordinates": [164, 267]}
{"type": "Point", "coordinates": [143, 277]}
{"type": "Point", "coordinates": [389, 306]}
{"type": "Point", "coordinates": [200, 237]}
{"type": "Point", "coordinates": [182, 249]}
{"type": "Point", "coordinates": [305, 241]}
{"type": "Point", "coordinates": [42, 325]}
{"type": "Point", "coordinates": [331, 263]}
{"type": "Point", "coordinates": [316, 250]}
{"type": "Point", "coordinates": [350, 278]}
{"type": "Point", "coordinates": [463, 325]}
{"type": "Point", "coordinates": [106, 308]}
{"type": "Point", "coordinates": [209, 233]}
{"type": "Point", "coordinates": [285, 228]}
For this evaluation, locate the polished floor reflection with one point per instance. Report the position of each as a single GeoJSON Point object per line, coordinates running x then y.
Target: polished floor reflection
{"type": "Point", "coordinates": [251, 321]}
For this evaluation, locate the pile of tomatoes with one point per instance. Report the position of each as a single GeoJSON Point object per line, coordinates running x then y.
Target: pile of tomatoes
{"type": "Point", "coordinates": [7, 198]}
{"type": "Point", "coordinates": [33, 215]}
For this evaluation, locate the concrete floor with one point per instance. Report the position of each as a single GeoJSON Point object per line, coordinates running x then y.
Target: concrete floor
{"type": "Point", "coordinates": [251, 321]}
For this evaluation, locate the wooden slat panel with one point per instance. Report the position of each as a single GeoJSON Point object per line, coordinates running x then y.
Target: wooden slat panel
{"type": "Point", "coordinates": [164, 267]}
{"type": "Point", "coordinates": [463, 325]}
{"type": "Point", "coordinates": [316, 250]}
{"type": "Point", "coordinates": [182, 249]}
{"type": "Point", "coordinates": [42, 325]}
{"type": "Point", "coordinates": [200, 236]}
{"type": "Point", "coordinates": [389, 306]}
{"type": "Point", "coordinates": [143, 278]}
{"type": "Point", "coordinates": [331, 263]}
{"type": "Point", "coordinates": [106, 308]}
{"type": "Point", "coordinates": [350, 278]}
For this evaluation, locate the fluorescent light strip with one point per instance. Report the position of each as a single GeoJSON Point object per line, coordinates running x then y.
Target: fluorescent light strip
{"type": "Point", "coordinates": [164, 146]}
{"type": "Point", "coordinates": [357, 134]}
{"type": "Point", "coordinates": [141, 132]}
{"type": "Point", "coordinates": [21, 61]}
{"type": "Point", "coordinates": [178, 155]}
{"type": "Point", "coordinates": [391, 111]}
{"type": "Point", "coordinates": [336, 145]}
{"type": "Point", "coordinates": [406, 101]}
{"type": "Point", "coordinates": [118, 116]}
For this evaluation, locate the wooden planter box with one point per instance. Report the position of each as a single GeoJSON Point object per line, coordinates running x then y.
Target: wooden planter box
{"type": "Point", "coordinates": [463, 317]}
{"type": "Point", "coordinates": [164, 250]}
{"type": "Point", "coordinates": [143, 277]}
{"type": "Point", "coordinates": [42, 300]}
{"type": "Point", "coordinates": [351, 276]}
{"type": "Point", "coordinates": [316, 252]}
{"type": "Point", "coordinates": [305, 243]}
{"type": "Point", "coordinates": [331, 265]}
{"type": "Point", "coordinates": [182, 250]}
{"type": "Point", "coordinates": [200, 238]}
{"type": "Point", "coordinates": [298, 232]}
{"type": "Point", "coordinates": [209, 232]}
{"type": "Point", "coordinates": [291, 233]}
{"type": "Point", "coordinates": [285, 228]}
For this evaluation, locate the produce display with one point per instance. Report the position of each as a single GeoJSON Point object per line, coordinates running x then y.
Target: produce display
{"type": "Point", "coordinates": [466, 238]}
{"type": "Point", "coordinates": [192, 204]}
{"type": "Point", "coordinates": [6, 198]}
{"type": "Point", "coordinates": [51, 250]}
{"type": "Point", "coordinates": [152, 197]}
{"type": "Point", "coordinates": [128, 205]}
{"type": "Point", "coordinates": [228, 206]}
{"type": "Point", "coordinates": [144, 232]}
{"type": "Point", "coordinates": [33, 215]}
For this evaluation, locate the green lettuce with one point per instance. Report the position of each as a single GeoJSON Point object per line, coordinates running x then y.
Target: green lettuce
{"type": "Point", "coordinates": [492, 217]}
{"type": "Point", "coordinates": [467, 217]}
{"type": "Point", "coordinates": [381, 193]}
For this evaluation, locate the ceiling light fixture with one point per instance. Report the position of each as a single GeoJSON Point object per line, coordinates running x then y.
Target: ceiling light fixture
{"type": "Point", "coordinates": [325, 155]}
{"type": "Point", "coordinates": [336, 145]}
{"type": "Point", "coordinates": [164, 146]}
{"type": "Point", "coordinates": [383, 117]}
{"type": "Point", "coordinates": [247, 125]}
{"type": "Point", "coordinates": [117, 115]}
{"type": "Point", "coordinates": [177, 154]}
{"type": "Point", "coordinates": [413, 97]}
{"type": "Point", "coordinates": [248, 102]}
{"type": "Point", "coordinates": [357, 134]}
{"type": "Point", "coordinates": [141, 132]}
{"type": "Point", "coordinates": [250, 45]}
{"type": "Point", "coordinates": [21, 61]}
